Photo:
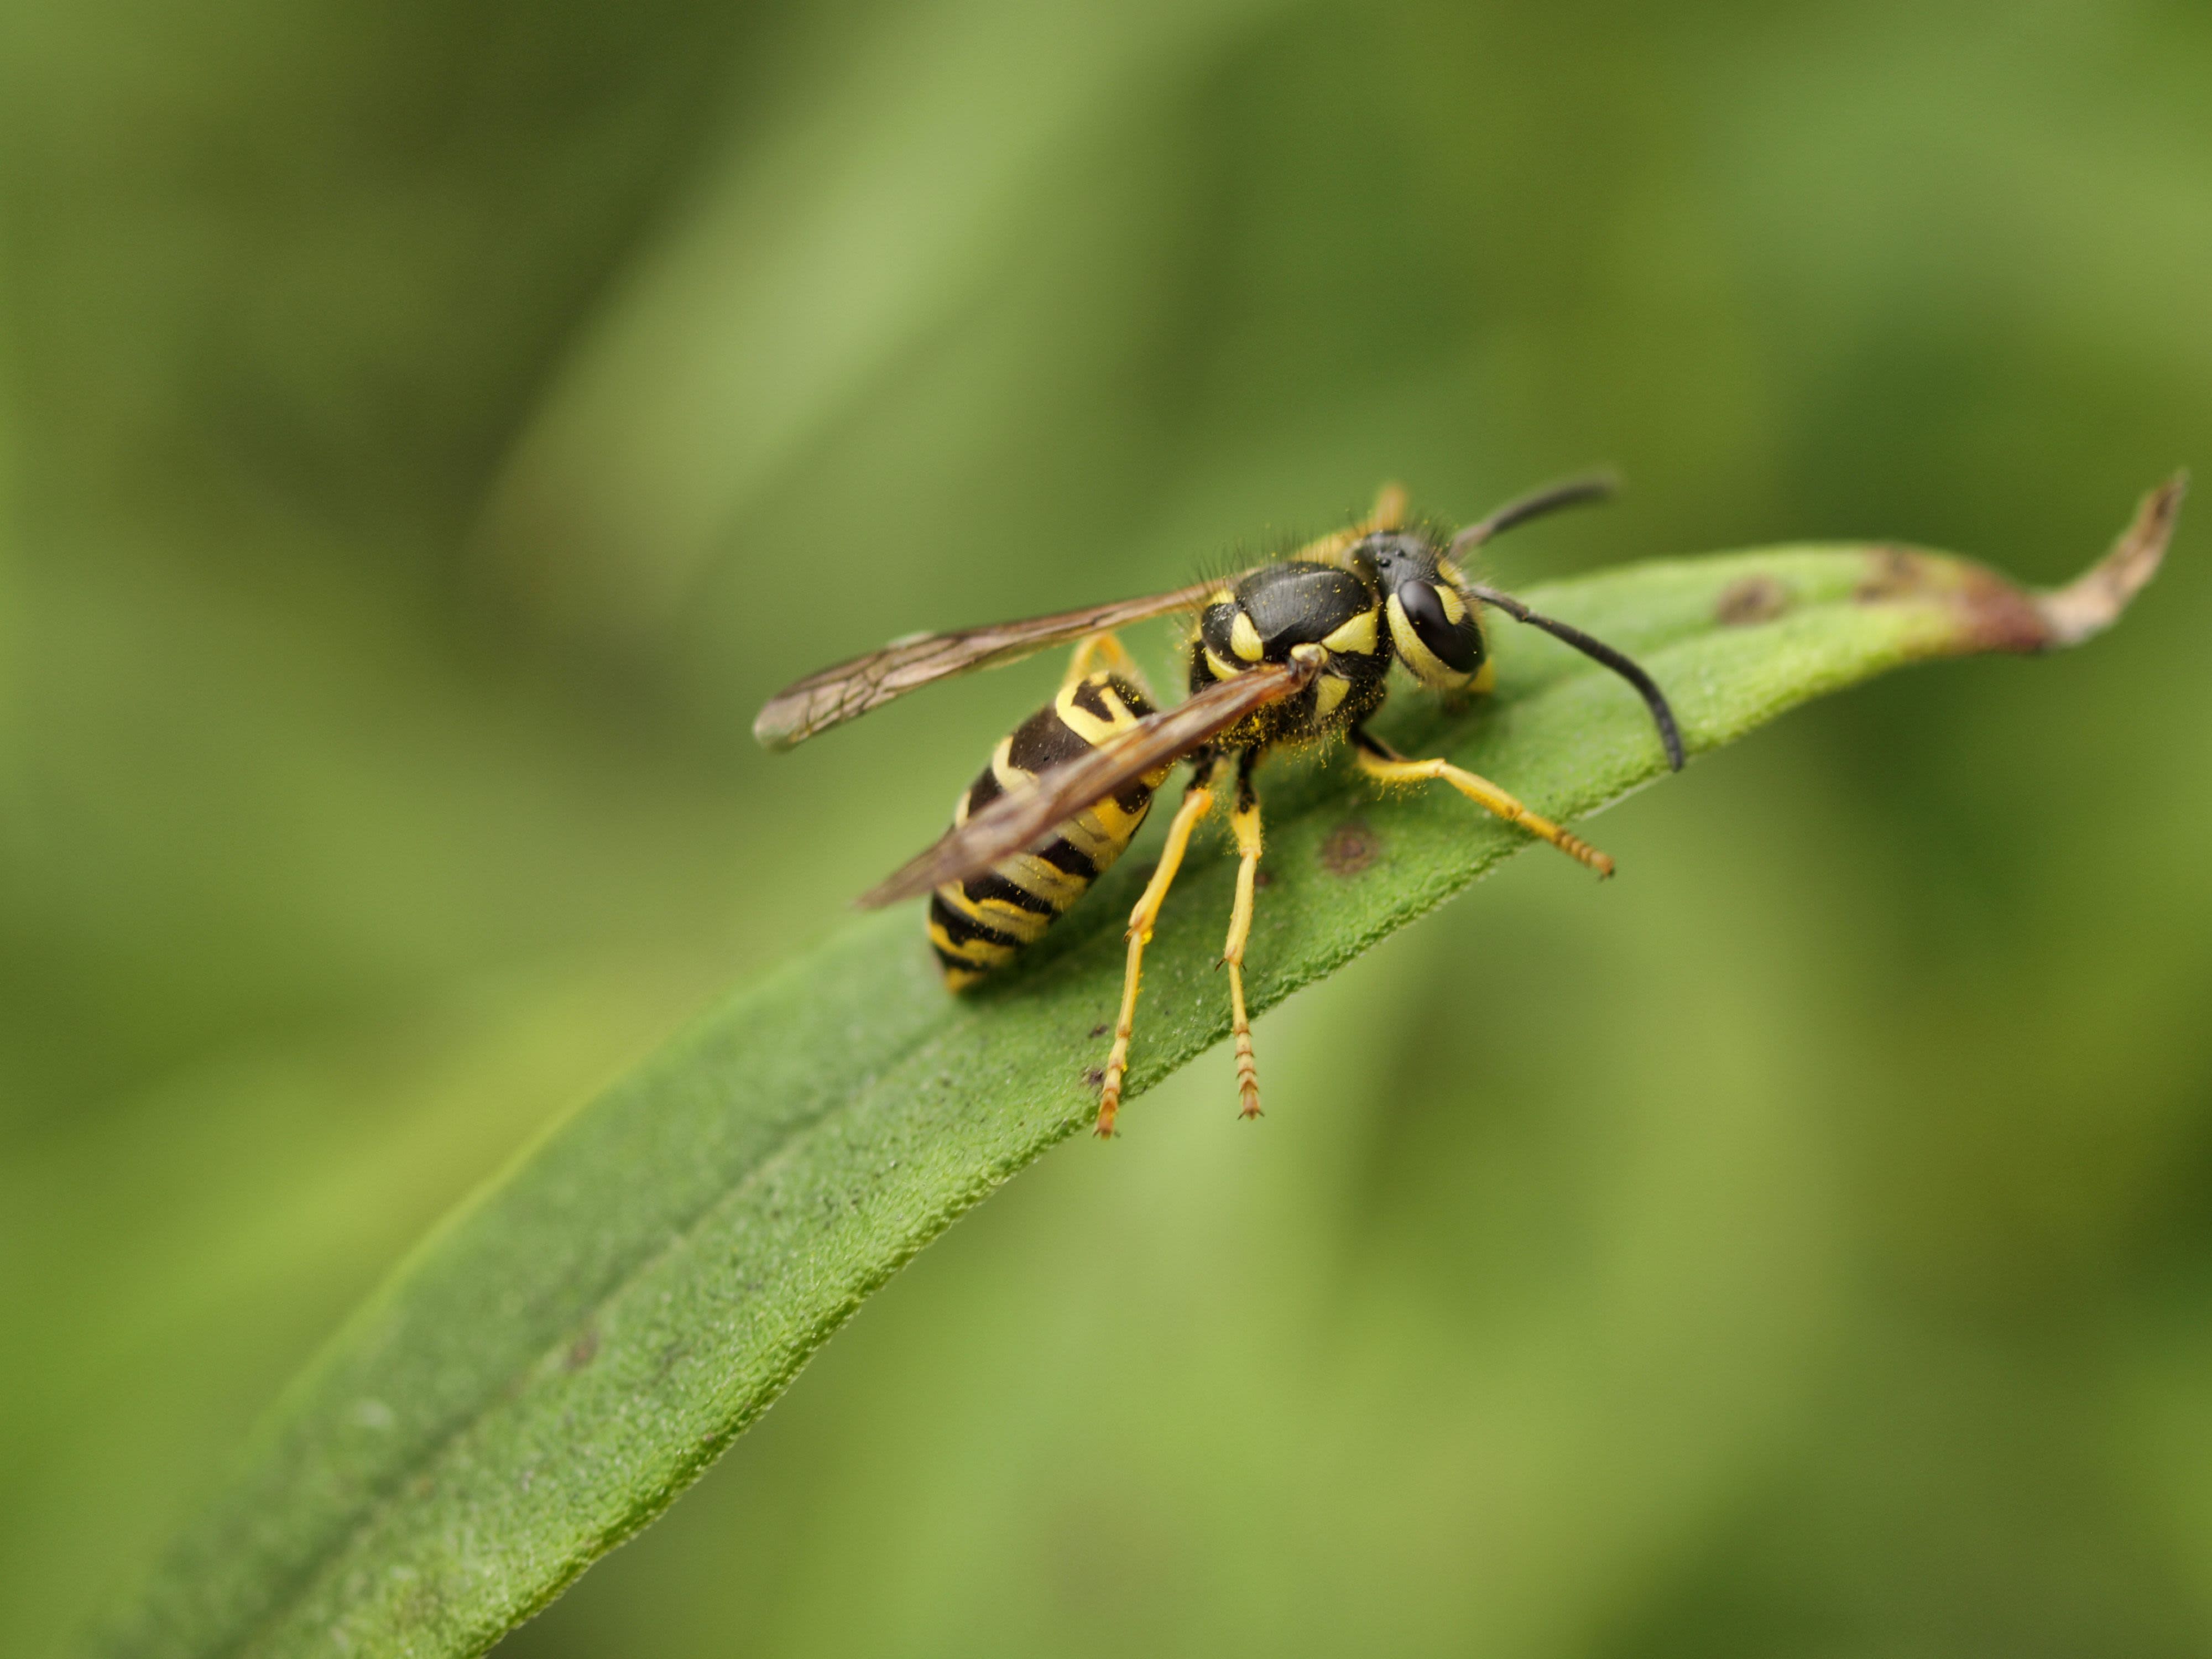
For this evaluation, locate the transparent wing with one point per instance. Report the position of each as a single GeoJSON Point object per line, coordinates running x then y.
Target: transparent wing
{"type": "Point", "coordinates": [852, 689]}
{"type": "Point", "coordinates": [1019, 821]}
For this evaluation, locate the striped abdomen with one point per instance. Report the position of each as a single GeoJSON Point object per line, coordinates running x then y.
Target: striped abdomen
{"type": "Point", "coordinates": [979, 924]}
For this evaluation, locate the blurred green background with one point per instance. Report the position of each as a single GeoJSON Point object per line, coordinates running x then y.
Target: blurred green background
{"type": "Point", "coordinates": [428, 431]}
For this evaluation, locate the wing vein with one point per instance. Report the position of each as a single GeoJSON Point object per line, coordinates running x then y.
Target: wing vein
{"type": "Point", "coordinates": [1019, 821]}
{"type": "Point", "coordinates": [849, 690]}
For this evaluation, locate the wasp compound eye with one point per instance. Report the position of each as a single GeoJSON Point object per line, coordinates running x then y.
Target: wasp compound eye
{"type": "Point", "coordinates": [1435, 631]}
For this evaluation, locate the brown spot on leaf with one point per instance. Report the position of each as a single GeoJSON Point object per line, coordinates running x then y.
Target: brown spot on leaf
{"type": "Point", "coordinates": [1263, 878]}
{"type": "Point", "coordinates": [1096, 1077]}
{"type": "Point", "coordinates": [1987, 612]}
{"type": "Point", "coordinates": [1895, 572]}
{"type": "Point", "coordinates": [1098, 1031]}
{"type": "Point", "coordinates": [1994, 616]}
{"type": "Point", "coordinates": [584, 1350]}
{"type": "Point", "coordinates": [1349, 848]}
{"type": "Point", "coordinates": [1756, 599]}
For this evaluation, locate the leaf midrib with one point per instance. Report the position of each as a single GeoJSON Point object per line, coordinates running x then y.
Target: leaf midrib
{"type": "Point", "coordinates": [671, 1243]}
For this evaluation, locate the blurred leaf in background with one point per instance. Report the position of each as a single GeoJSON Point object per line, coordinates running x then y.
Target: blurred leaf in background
{"type": "Point", "coordinates": [426, 435]}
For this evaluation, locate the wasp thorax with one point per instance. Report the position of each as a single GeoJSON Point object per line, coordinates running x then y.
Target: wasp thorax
{"type": "Point", "coordinates": [1282, 607]}
{"type": "Point", "coordinates": [1433, 627]}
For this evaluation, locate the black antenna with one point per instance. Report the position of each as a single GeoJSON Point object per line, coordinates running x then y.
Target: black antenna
{"type": "Point", "coordinates": [1574, 492]}
{"type": "Point", "coordinates": [1598, 650]}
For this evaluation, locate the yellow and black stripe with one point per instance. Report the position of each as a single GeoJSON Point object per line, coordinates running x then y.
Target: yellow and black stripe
{"type": "Point", "coordinates": [979, 924]}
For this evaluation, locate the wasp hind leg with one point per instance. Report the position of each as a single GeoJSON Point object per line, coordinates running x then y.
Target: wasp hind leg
{"type": "Point", "coordinates": [1197, 802]}
{"type": "Point", "coordinates": [1244, 823]}
{"type": "Point", "coordinates": [1386, 765]}
{"type": "Point", "coordinates": [1096, 651]}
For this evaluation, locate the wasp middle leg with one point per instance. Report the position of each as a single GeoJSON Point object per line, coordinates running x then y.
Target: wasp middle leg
{"type": "Point", "coordinates": [1197, 802]}
{"type": "Point", "coordinates": [1244, 823]}
{"type": "Point", "coordinates": [1379, 761]}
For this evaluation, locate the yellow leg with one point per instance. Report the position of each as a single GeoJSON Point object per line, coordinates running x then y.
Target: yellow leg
{"type": "Point", "coordinates": [1389, 513]}
{"type": "Point", "coordinates": [1244, 822]}
{"type": "Point", "coordinates": [1197, 802]}
{"type": "Point", "coordinates": [1385, 766]}
{"type": "Point", "coordinates": [1097, 651]}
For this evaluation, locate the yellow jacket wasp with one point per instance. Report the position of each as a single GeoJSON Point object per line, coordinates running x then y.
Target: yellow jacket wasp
{"type": "Point", "coordinates": [1295, 650]}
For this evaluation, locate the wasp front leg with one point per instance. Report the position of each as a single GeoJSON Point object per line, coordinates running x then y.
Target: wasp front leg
{"type": "Point", "coordinates": [1244, 823]}
{"type": "Point", "coordinates": [1386, 765]}
{"type": "Point", "coordinates": [1197, 802]}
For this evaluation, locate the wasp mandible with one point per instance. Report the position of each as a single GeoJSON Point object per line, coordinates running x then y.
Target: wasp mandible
{"type": "Point", "coordinates": [1292, 651]}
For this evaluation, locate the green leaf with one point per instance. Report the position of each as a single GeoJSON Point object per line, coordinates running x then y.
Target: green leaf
{"type": "Point", "coordinates": [555, 1362]}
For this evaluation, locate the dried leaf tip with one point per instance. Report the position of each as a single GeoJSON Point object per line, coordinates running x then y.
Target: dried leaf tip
{"type": "Point", "coordinates": [2092, 601]}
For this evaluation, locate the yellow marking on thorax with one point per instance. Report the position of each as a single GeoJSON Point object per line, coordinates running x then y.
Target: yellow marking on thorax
{"type": "Point", "coordinates": [1221, 667]}
{"type": "Point", "coordinates": [1328, 692]}
{"type": "Point", "coordinates": [1244, 639]}
{"type": "Point", "coordinates": [1356, 636]}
